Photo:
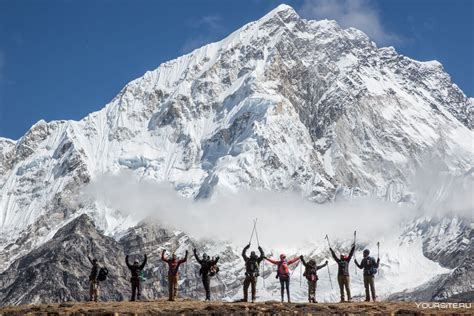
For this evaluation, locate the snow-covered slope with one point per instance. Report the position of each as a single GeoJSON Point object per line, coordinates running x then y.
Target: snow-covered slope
{"type": "Point", "coordinates": [282, 103]}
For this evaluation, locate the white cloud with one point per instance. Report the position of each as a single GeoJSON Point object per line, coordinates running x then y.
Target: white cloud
{"type": "Point", "coordinates": [210, 27]}
{"type": "Point", "coordinates": [360, 14]}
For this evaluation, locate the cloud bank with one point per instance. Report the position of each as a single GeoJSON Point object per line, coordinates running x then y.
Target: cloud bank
{"type": "Point", "coordinates": [360, 14]}
{"type": "Point", "coordinates": [285, 219]}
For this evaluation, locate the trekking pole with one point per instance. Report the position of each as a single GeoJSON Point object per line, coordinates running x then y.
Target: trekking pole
{"type": "Point", "coordinates": [253, 229]}
{"type": "Point", "coordinates": [327, 238]}
{"type": "Point", "coordinates": [330, 280]}
{"type": "Point", "coordinates": [355, 267]}
{"type": "Point", "coordinates": [256, 232]}
{"type": "Point", "coordinates": [329, 273]}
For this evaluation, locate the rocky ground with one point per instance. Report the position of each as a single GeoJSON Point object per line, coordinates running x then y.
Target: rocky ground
{"type": "Point", "coordinates": [228, 308]}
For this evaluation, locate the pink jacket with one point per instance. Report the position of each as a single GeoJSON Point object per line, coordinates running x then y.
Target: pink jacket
{"type": "Point", "coordinates": [283, 265]}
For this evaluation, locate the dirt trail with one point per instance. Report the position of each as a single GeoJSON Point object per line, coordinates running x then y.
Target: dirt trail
{"type": "Point", "coordinates": [226, 308]}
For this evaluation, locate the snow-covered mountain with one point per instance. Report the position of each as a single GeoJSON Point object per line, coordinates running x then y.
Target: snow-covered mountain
{"type": "Point", "coordinates": [283, 103]}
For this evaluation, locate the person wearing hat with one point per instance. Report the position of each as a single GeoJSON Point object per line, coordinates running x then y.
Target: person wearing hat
{"type": "Point", "coordinates": [135, 269]}
{"type": "Point", "coordinates": [173, 274]}
{"type": "Point", "coordinates": [370, 267]}
{"type": "Point", "coordinates": [310, 273]}
{"type": "Point", "coordinates": [252, 267]}
{"type": "Point", "coordinates": [93, 282]}
{"type": "Point", "coordinates": [343, 277]}
{"type": "Point", "coordinates": [283, 273]}
{"type": "Point", "coordinates": [207, 264]}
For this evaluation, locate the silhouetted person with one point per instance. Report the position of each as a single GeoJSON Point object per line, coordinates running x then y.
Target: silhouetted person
{"type": "Point", "coordinates": [93, 282]}
{"type": "Point", "coordinates": [343, 277]}
{"type": "Point", "coordinates": [135, 269]}
{"type": "Point", "coordinates": [370, 267]}
{"type": "Point", "coordinates": [310, 273]}
{"type": "Point", "coordinates": [252, 269]}
{"type": "Point", "coordinates": [206, 265]}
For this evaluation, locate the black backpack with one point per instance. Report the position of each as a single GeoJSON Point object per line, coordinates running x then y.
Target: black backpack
{"type": "Point", "coordinates": [103, 273]}
{"type": "Point", "coordinates": [372, 270]}
{"type": "Point", "coordinates": [252, 268]}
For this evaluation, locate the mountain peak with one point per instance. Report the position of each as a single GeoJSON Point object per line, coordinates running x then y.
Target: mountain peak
{"type": "Point", "coordinates": [282, 9]}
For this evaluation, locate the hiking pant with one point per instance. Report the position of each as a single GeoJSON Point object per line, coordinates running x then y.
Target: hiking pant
{"type": "Point", "coordinates": [172, 287]}
{"type": "Point", "coordinates": [206, 281]}
{"type": "Point", "coordinates": [93, 290]}
{"type": "Point", "coordinates": [344, 282]}
{"type": "Point", "coordinates": [285, 282]}
{"type": "Point", "coordinates": [369, 282]}
{"type": "Point", "coordinates": [135, 289]}
{"type": "Point", "coordinates": [250, 280]}
{"type": "Point", "coordinates": [311, 291]}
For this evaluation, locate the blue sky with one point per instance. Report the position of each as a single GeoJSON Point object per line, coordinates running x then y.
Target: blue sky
{"type": "Point", "coordinates": [62, 59]}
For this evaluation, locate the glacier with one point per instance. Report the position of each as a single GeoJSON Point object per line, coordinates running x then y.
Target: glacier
{"type": "Point", "coordinates": [281, 104]}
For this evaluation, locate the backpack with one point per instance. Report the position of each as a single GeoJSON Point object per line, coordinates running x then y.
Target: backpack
{"type": "Point", "coordinates": [103, 273]}
{"type": "Point", "coordinates": [142, 276]}
{"type": "Point", "coordinates": [372, 270]}
{"type": "Point", "coordinates": [278, 275]}
{"type": "Point", "coordinates": [278, 271]}
{"type": "Point", "coordinates": [213, 270]}
{"type": "Point", "coordinates": [252, 268]}
{"type": "Point", "coordinates": [310, 273]}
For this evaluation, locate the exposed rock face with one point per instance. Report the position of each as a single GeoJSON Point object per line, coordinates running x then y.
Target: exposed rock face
{"type": "Point", "coordinates": [281, 104]}
{"type": "Point", "coordinates": [58, 270]}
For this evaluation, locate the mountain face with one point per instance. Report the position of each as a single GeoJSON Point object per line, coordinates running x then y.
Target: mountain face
{"type": "Point", "coordinates": [281, 104]}
{"type": "Point", "coordinates": [58, 270]}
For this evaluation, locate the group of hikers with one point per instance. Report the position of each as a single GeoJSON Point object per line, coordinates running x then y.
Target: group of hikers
{"type": "Point", "coordinates": [208, 268]}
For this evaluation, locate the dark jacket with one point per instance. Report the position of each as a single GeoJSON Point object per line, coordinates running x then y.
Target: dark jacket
{"type": "Point", "coordinates": [343, 265]}
{"type": "Point", "coordinates": [205, 264]}
{"type": "Point", "coordinates": [308, 266]}
{"type": "Point", "coordinates": [311, 270]}
{"type": "Point", "coordinates": [94, 271]}
{"type": "Point", "coordinates": [367, 263]}
{"type": "Point", "coordinates": [252, 264]}
{"type": "Point", "coordinates": [135, 269]}
{"type": "Point", "coordinates": [173, 264]}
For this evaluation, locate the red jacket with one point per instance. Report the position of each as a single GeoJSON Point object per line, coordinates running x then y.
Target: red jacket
{"type": "Point", "coordinates": [173, 264]}
{"type": "Point", "coordinates": [283, 269]}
